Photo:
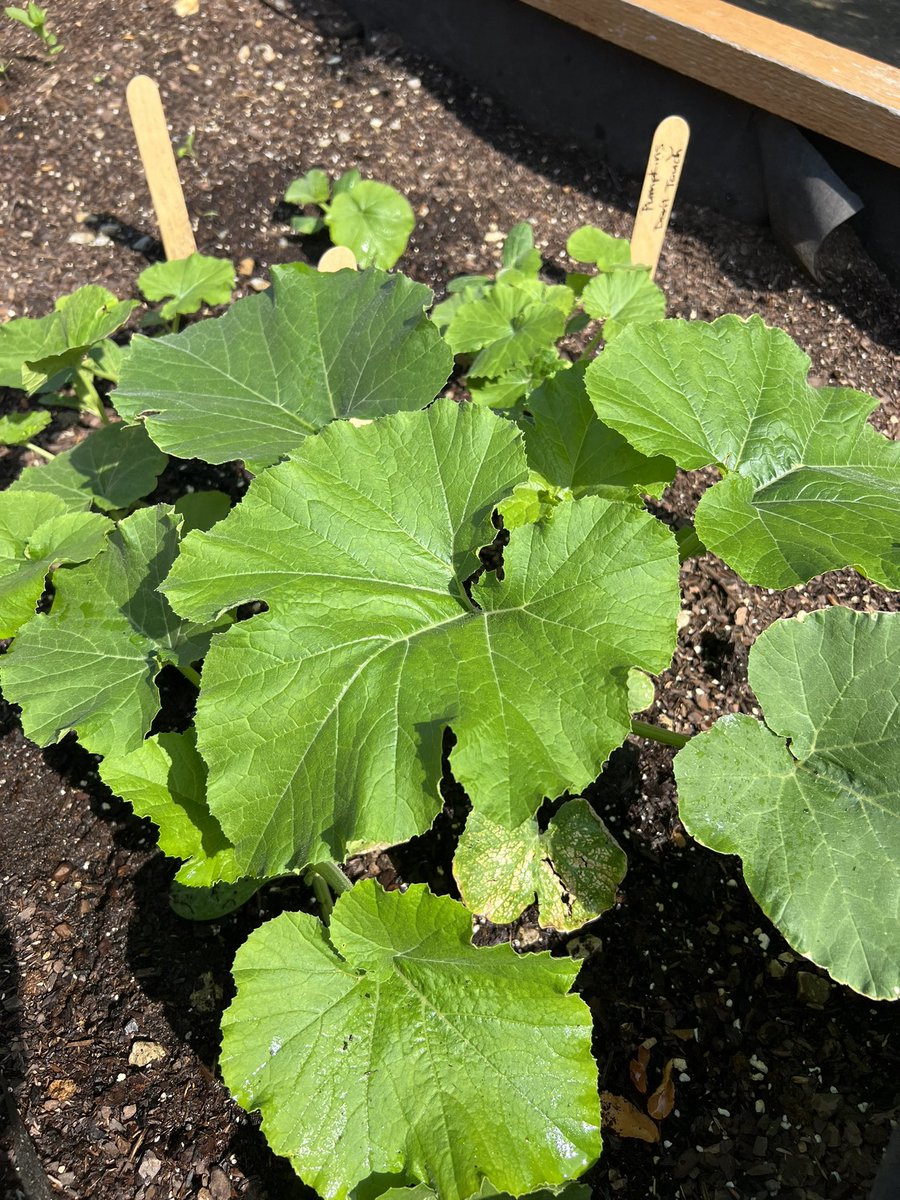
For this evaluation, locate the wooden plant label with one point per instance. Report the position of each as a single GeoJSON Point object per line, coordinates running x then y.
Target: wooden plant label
{"type": "Point", "coordinates": [664, 165]}
{"type": "Point", "coordinates": [160, 168]}
{"type": "Point", "coordinates": [337, 258]}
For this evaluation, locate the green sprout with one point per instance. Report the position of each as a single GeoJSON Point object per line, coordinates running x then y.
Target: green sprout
{"type": "Point", "coordinates": [34, 18]}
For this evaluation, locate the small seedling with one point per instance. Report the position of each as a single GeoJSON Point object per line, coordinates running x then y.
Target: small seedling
{"type": "Point", "coordinates": [506, 330]}
{"type": "Point", "coordinates": [35, 18]}
{"type": "Point", "coordinates": [187, 147]}
{"type": "Point", "coordinates": [371, 219]}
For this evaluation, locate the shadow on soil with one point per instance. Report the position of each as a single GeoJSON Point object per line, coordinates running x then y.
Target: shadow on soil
{"type": "Point", "coordinates": [743, 253]}
{"type": "Point", "coordinates": [21, 1174]}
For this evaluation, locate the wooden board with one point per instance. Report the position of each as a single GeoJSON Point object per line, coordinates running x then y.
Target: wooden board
{"type": "Point", "coordinates": [814, 83]}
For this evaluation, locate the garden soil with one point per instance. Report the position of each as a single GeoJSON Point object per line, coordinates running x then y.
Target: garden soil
{"type": "Point", "coordinates": [783, 1083]}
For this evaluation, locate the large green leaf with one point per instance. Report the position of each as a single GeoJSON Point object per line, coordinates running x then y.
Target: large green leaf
{"type": "Point", "coordinates": [322, 719]}
{"type": "Point", "coordinates": [278, 366]}
{"type": "Point", "coordinates": [810, 486]}
{"type": "Point", "coordinates": [571, 448]}
{"type": "Point", "coordinates": [164, 779]}
{"type": "Point", "coordinates": [38, 533]}
{"type": "Point", "coordinates": [389, 1045]}
{"type": "Point", "coordinates": [421, 1191]}
{"type": "Point", "coordinates": [112, 468]}
{"type": "Point", "coordinates": [373, 220]}
{"type": "Point", "coordinates": [573, 867]}
{"type": "Point", "coordinates": [90, 664]}
{"type": "Point", "coordinates": [811, 800]}
{"type": "Point", "coordinates": [187, 283]}
{"type": "Point", "coordinates": [33, 350]}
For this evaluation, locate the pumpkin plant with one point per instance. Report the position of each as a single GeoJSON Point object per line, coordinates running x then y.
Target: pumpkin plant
{"type": "Point", "coordinates": [404, 568]}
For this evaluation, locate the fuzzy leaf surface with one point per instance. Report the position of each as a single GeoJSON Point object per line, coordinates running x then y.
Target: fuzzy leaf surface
{"type": "Point", "coordinates": [573, 867]}
{"type": "Point", "coordinates": [37, 534]}
{"type": "Point", "coordinates": [812, 802]}
{"type": "Point", "coordinates": [810, 485]}
{"type": "Point", "coordinates": [112, 468]}
{"type": "Point", "coordinates": [373, 220]}
{"type": "Point", "coordinates": [388, 1044]}
{"type": "Point", "coordinates": [90, 664]}
{"type": "Point", "coordinates": [322, 719]}
{"type": "Point", "coordinates": [278, 366]}
{"type": "Point", "coordinates": [187, 283]}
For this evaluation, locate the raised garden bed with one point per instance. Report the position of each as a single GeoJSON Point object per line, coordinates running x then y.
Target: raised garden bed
{"type": "Point", "coordinates": [99, 968]}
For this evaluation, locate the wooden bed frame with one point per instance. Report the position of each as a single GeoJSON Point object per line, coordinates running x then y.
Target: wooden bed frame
{"type": "Point", "coordinates": [814, 83]}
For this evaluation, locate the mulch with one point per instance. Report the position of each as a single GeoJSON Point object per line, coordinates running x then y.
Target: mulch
{"type": "Point", "coordinates": [785, 1084]}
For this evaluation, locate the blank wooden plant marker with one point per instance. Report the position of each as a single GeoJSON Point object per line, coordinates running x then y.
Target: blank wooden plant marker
{"type": "Point", "coordinates": [337, 258]}
{"type": "Point", "coordinates": [160, 168]}
{"type": "Point", "coordinates": [664, 165]}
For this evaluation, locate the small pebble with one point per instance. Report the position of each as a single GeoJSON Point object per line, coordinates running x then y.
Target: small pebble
{"type": "Point", "coordinates": [144, 1053]}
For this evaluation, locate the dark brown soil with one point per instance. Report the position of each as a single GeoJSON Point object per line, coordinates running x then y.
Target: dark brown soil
{"type": "Point", "coordinates": [786, 1085]}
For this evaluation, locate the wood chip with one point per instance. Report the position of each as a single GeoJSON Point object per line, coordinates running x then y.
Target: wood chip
{"type": "Point", "coordinates": [623, 1118]}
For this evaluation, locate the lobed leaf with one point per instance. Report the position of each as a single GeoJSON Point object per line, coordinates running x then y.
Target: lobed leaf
{"type": "Point", "coordinates": [187, 283]}
{"type": "Point", "coordinates": [37, 534]}
{"type": "Point", "coordinates": [810, 800]}
{"type": "Point", "coordinates": [34, 350]}
{"type": "Point", "coordinates": [572, 868]}
{"type": "Point", "coordinates": [623, 298]}
{"type": "Point", "coordinates": [112, 468]}
{"type": "Point", "coordinates": [810, 486]}
{"type": "Point", "coordinates": [164, 779]}
{"type": "Point", "coordinates": [278, 366]}
{"type": "Point", "coordinates": [311, 188]}
{"type": "Point", "coordinates": [361, 546]}
{"type": "Point", "coordinates": [567, 444]}
{"type": "Point", "coordinates": [90, 664]}
{"type": "Point", "coordinates": [508, 327]}
{"type": "Point", "coordinates": [17, 428]}
{"type": "Point", "coordinates": [590, 244]}
{"type": "Point", "coordinates": [389, 1045]}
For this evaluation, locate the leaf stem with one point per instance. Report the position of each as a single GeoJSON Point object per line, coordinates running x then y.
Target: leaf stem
{"type": "Point", "coordinates": [326, 878]}
{"type": "Point", "coordinates": [322, 893]}
{"type": "Point", "coordinates": [656, 733]}
{"type": "Point", "coordinates": [190, 674]}
{"type": "Point", "coordinates": [40, 450]}
{"type": "Point", "coordinates": [689, 544]}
